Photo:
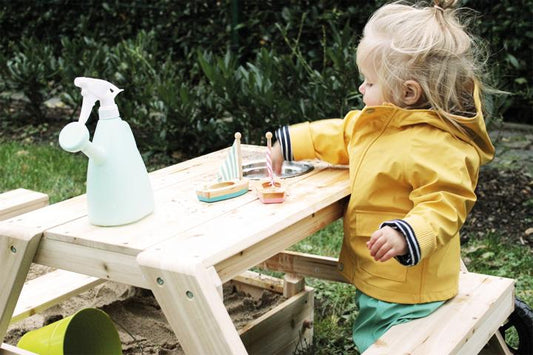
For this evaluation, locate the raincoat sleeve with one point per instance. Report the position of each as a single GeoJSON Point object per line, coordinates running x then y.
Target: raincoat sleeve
{"type": "Point", "coordinates": [443, 183]}
{"type": "Point", "coordinates": [326, 140]}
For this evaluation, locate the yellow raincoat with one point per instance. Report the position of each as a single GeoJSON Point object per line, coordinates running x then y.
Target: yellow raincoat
{"type": "Point", "coordinates": [408, 165]}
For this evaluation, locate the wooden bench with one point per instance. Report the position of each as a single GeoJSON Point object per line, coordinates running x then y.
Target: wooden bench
{"type": "Point", "coordinates": [463, 325]}
{"type": "Point", "coordinates": [277, 331]}
{"type": "Point", "coordinates": [49, 289]}
{"type": "Point", "coordinates": [19, 201]}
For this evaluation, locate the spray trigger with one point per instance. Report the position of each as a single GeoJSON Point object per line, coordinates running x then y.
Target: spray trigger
{"type": "Point", "coordinates": [94, 90]}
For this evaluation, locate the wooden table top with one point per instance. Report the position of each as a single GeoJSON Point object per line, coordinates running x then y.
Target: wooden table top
{"type": "Point", "coordinates": [216, 229]}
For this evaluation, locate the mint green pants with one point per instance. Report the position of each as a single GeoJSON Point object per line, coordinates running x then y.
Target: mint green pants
{"type": "Point", "coordinates": [375, 317]}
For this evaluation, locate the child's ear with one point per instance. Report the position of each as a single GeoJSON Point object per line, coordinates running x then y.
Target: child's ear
{"type": "Point", "coordinates": [412, 92]}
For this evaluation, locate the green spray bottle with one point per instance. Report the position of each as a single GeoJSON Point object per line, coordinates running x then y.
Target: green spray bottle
{"type": "Point", "coordinates": [118, 187]}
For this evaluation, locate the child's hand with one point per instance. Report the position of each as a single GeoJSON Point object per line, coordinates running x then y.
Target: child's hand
{"type": "Point", "coordinates": [386, 243]}
{"type": "Point", "coordinates": [277, 158]}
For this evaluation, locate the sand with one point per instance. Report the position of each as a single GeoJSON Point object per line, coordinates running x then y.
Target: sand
{"type": "Point", "coordinates": [141, 324]}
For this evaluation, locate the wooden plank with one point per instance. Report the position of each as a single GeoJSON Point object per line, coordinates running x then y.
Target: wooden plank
{"type": "Point", "coordinates": [496, 346]}
{"type": "Point", "coordinates": [317, 266]}
{"type": "Point", "coordinates": [47, 290]}
{"type": "Point", "coordinates": [260, 251]}
{"type": "Point", "coordinates": [170, 178]}
{"type": "Point", "coordinates": [87, 254]}
{"type": "Point", "coordinates": [309, 207]}
{"type": "Point", "coordinates": [244, 237]}
{"type": "Point", "coordinates": [283, 328]}
{"type": "Point", "coordinates": [16, 255]}
{"type": "Point", "coordinates": [46, 217]}
{"type": "Point", "coordinates": [187, 295]}
{"type": "Point", "coordinates": [95, 262]}
{"type": "Point", "coordinates": [489, 322]}
{"type": "Point", "coordinates": [326, 268]}
{"type": "Point", "coordinates": [17, 248]}
{"type": "Point", "coordinates": [19, 241]}
{"type": "Point", "coordinates": [292, 284]}
{"type": "Point", "coordinates": [463, 325]}
{"type": "Point", "coordinates": [258, 281]}
{"type": "Point", "coordinates": [50, 289]}
{"type": "Point", "coordinates": [19, 201]}
{"type": "Point", "coordinates": [177, 210]}
{"type": "Point", "coordinates": [6, 349]}
{"type": "Point", "coordinates": [131, 239]}
{"type": "Point", "coordinates": [76, 208]}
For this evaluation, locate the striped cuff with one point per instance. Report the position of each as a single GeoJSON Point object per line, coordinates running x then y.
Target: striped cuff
{"type": "Point", "coordinates": [413, 256]}
{"type": "Point", "coordinates": [284, 139]}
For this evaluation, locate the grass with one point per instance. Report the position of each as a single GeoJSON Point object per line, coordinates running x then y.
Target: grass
{"type": "Point", "coordinates": [49, 169]}
{"type": "Point", "coordinates": [43, 168]}
{"type": "Point", "coordinates": [490, 256]}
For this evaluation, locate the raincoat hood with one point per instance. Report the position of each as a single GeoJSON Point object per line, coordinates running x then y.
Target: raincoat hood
{"type": "Point", "coordinates": [471, 130]}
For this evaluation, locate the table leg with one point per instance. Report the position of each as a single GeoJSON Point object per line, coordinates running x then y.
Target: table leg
{"type": "Point", "coordinates": [16, 256]}
{"type": "Point", "coordinates": [187, 293]}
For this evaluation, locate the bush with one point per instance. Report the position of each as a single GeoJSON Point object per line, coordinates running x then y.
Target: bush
{"type": "Point", "coordinates": [195, 72]}
{"type": "Point", "coordinates": [31, 70]}
{"type": "Point", "coordinates": [506, 26]}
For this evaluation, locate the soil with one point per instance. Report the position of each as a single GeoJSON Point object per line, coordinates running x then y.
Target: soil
{"type": "Point", "coordinates": [505, 201]}
{"type": "Point", "coordinates": [505, 205]}
{"type": "Point", "coordinates": [505, 190]}
{"type": "Point", "coordinates": [138, 318]}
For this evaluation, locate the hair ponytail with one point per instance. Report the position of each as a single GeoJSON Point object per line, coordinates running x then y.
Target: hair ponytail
{"type": "Point", "coordinates": [428, 44]}
{"type": "Point", "coordinates": [445, 4]}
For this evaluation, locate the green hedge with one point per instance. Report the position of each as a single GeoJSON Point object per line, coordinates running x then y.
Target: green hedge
{"type": "Point", "coordinates": [194, 72]}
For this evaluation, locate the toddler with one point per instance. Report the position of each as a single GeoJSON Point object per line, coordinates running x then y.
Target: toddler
{"type": "Point", "coordinates": [414, 153]}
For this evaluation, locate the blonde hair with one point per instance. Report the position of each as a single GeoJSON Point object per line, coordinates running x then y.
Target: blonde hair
{"type": "Point", "coordinates": [427, 44]}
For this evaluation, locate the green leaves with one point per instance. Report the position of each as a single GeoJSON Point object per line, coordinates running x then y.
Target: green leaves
{"type": "Point", "coordinates": [187, 88]}
{"type": "Point", "coordinates": [32, 71]}
{"type": "Point", "coordinates": [194, 108]}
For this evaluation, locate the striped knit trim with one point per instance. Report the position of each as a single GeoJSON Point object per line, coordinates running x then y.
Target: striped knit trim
{"type": "Point", "coordinates": [410, 237]}
{"type": "Point", "coordinates": [284, 139]}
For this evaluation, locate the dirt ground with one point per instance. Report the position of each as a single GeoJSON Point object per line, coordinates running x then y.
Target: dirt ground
{"type": "Point", "coordinates": [505, 190]}
{"type": "Point", "coordinates": [505, 204]}
{"type": "Point", "coordinates": [138, 318]}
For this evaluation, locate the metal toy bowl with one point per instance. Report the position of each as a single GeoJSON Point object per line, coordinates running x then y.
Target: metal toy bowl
{"type": "Point", "coordinates": [258, 170]}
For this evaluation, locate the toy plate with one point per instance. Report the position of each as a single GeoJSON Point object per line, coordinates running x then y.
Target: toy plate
{"type": "Point", "coordinates": [258, 170]}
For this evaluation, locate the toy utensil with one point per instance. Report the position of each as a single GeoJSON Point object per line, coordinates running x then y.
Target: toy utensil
{"type": "Point", "coordinates": [269, 189]}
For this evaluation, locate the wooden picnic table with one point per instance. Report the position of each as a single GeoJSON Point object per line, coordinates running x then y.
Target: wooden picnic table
{"type": "Point", "coordinates": [184, 251]}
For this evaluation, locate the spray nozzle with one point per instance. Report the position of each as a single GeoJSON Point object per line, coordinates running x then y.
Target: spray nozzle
{"type": "Point", "coordinates": [94, 90]}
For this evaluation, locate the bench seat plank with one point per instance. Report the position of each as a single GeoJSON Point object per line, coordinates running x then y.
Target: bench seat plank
{"type": "Point", "coordinates": [6, 349]}
{"type": "Point", "coordinates": [50, 289]}
{"type": "Point", "coordinates": [463, 325]}
{"type": "Point", "coordinates": [19, 201]}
